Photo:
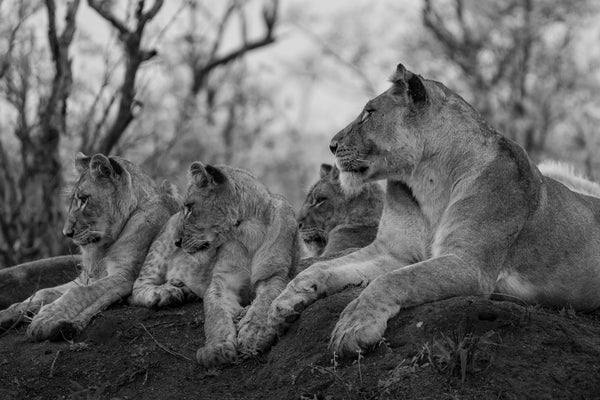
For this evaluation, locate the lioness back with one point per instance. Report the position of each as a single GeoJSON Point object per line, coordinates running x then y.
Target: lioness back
{"type": "Point", "coordinates": [568, 176]}
{"type": "Point", "coordinates": [331, 220]}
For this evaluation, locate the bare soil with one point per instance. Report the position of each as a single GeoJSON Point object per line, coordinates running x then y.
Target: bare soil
{"type": "Point", "coordinates": [457, 348]}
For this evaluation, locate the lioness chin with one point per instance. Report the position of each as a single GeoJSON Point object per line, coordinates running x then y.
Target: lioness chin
{"type": "Point", "coordinates": [466, 213]}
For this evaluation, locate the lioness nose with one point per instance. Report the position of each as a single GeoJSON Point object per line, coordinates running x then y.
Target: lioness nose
{"type": "Point", "coordinates": [177, 242]}
{"type": "Point", "coordinates": [68, 232]}
{"type": "Point", "coordinates": [333, 145]}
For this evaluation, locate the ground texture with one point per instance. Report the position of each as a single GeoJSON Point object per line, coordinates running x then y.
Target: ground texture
{"type": "Point", "coordinates": [456, 348]}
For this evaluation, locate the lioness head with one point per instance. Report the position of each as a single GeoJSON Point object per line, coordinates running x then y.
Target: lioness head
{"type": "Point", "coordinates": [100, 202]}
{"type": "Point", "coordinates": [210, 209]}
{"type": "Point", "coordinates": [388, 137]}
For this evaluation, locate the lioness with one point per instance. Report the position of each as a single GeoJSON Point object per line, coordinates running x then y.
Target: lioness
{"type": "Point", "coordinates": [115, 212]}
{"type": "Point", "coordinates": [245, 243]}
{"type": "Point", "coordinates": [331, 221]}
{"type": "Point", "coordinates": [483, 219]}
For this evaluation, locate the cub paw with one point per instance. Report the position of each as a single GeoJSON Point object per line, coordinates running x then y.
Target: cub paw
{"type": "Point", "coordinates": [254, 336]}
{"type": "Point", "coordinates": [10, 317]}
{"type": "Point", "coordinates": [359, 328]}
{"type": "Point", "coordinates": [51, 326]}
{"type": "Point", "coordinates": [302, 291]}
{"type": "Point", "coordinates": [217, 354]}
{"type": "Point", "coordinates": [157, 296]}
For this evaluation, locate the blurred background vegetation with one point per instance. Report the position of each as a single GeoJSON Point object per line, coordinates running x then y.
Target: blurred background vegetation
{"type": "Point", "coordinates": [263, 85]}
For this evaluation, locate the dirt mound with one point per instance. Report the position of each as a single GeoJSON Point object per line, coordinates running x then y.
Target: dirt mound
{"type": "Point", "coordinates": [461, 347]}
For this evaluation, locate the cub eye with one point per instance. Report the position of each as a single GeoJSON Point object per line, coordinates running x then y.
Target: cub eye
{"type": "Point", "coordinates": [319, 201]}
{"type": "Point", "coordinates": [187, 209]}
{"type": "Point", "coordinates": [82, 201]}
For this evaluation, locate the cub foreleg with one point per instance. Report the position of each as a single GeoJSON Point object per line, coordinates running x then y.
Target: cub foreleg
{"type": "Point", "coordinates": [33, 304]}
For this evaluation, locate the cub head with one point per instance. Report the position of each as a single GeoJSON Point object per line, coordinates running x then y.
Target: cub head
{"type": "Point", "coordinates": [386, 139]}
{"type": "Point", "coordinates": [328, 206]}
{"type": "Point", "coordinates": [323, 208]}
{"type": "Point", "coordinates": [210, 210]}
{"type": "Point", "coordinates": [101, 201]}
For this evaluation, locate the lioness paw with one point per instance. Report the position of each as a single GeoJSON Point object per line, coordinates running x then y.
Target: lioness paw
{"type": "Point", "coordinates": [360, 327]}
{"type": "Point", "coordinates": [220, 353]}
{"type": "Point", "coordinates": [47, 325]}
{"type": "Point", "coordinates": [254, 336]}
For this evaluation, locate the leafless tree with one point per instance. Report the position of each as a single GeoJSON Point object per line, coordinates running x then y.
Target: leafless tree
{"type": "Point", "coordinates": [30, 188]}
{"type": "Point", "coordinates": [131, 40]}
{"type": "Point", "coordinates": [515, 76]}
{"type": "Point", "coordinates": [204, 56]}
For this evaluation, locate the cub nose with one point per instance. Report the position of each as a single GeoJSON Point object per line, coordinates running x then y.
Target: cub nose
{"type": "Point", "coordinates": [68, 232]}
{"type": "Point", "coordinates": [177, 242]}
{"type": "Point", "coordinates": [333, 145]}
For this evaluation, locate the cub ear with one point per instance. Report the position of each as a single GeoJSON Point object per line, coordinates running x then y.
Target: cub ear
{"type": "Point", "coordinates": [335, 173]}
{"type": "Point", "coordinates": [116, 165]}
{"type": "Point", "coordinates": [325, 169]}
{"type": "Point", "coordinates": [103, 168]}
{"type": "Point", "coordinates": [205, 175]}
{"type": "Point", "coordinates": [82, 162]}
{"type": "Point", "coordinates": [407, 82]}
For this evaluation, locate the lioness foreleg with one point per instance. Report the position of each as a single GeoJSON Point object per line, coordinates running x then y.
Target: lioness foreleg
{"type": "Point", "coordinates": [363, 322]}
{"type": "Point", "coordinates": [325, 278]}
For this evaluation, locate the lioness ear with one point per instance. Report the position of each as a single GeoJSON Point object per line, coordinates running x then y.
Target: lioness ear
{"type": "Point", "coordinates": [407, 82]}
{"type": "Point", "coordinates": [101, 167]}
{"type": "Point", "coordinates": [82, 162]}
{"type": "Point", "coordinates": [324, 171]}
{"type": "Point", "coordinates": [206, 175]}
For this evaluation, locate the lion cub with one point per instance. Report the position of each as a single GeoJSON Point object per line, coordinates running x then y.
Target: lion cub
{"type": "Point", "coordinates": [331, 220]}
{"type": "Point", "coordinates": [234, 244]}
{"type": "Point", "coordinates": [115, 211]}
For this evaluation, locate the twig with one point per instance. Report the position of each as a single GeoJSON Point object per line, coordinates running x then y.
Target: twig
{"type": "Point", "coordinates": [51, 375]}
{"type": "Point", "coordinates": [163, 347]}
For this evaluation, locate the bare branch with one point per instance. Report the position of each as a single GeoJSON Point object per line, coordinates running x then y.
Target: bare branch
{"type": "Point", "coordinates": [270, 15]}
{"type": "Point", "coordinates": [99, 7]}
{"type": "Point", "coordinates": [131, 40]}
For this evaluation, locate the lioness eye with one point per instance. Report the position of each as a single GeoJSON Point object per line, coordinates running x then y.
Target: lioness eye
{"type": "Point", "coordinates": [187, 209]}
{"type": "Point", "coordinates": [366, 114]}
